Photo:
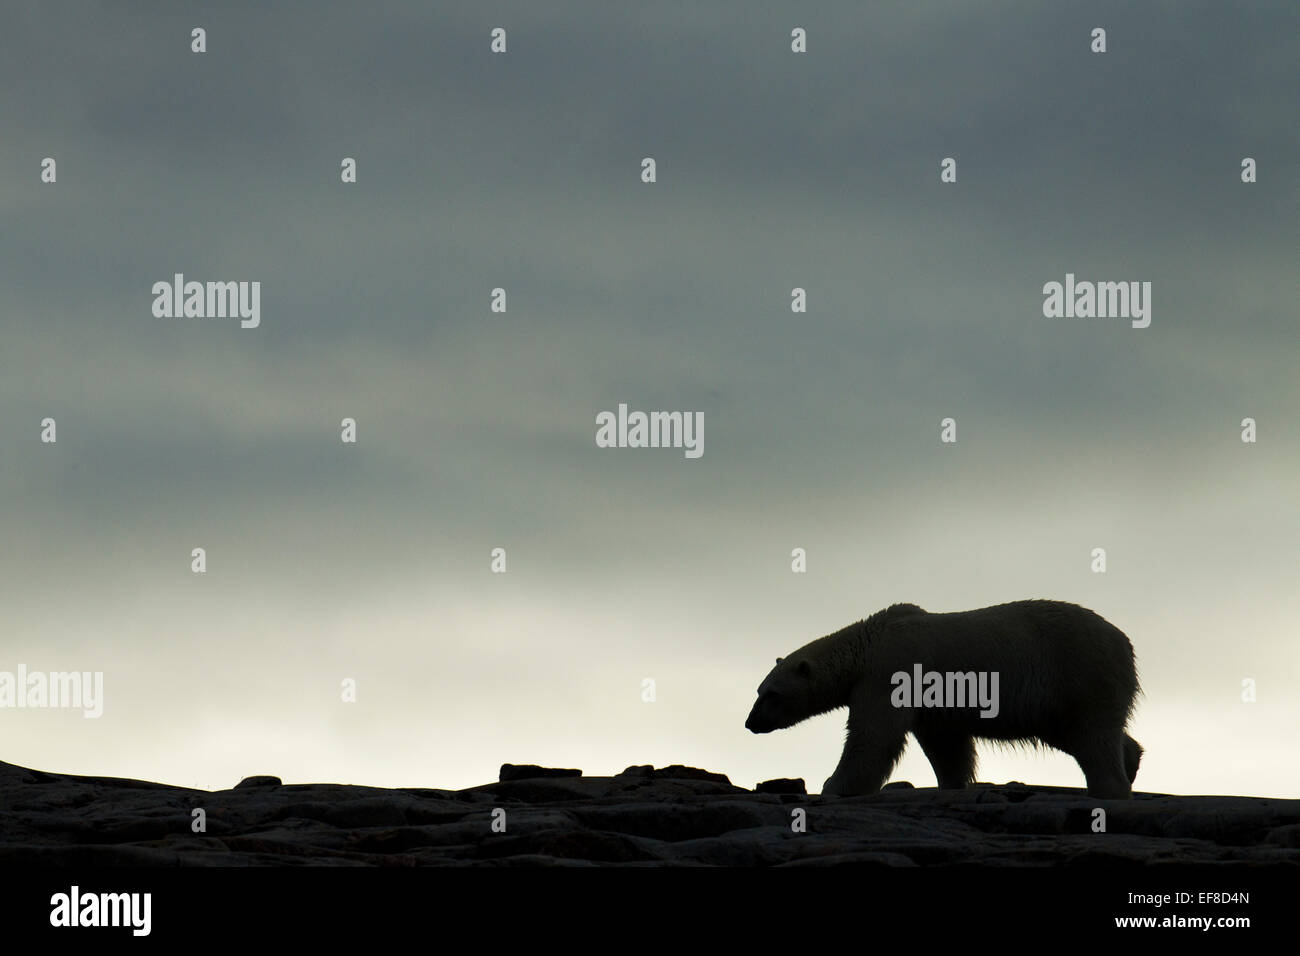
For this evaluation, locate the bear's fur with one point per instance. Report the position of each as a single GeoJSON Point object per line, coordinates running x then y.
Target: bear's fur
{"type": "Point", "coordinates": [1067, 679]}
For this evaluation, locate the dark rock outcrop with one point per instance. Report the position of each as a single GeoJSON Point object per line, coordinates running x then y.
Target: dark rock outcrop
{"type": "Point", "coordinates": [670, 816]}
{"type": "Point", "coordinates": [782, 785]}
{"type": "Point", "coordinates": [530, 771]}
{"type": "Point", "coordinates": [674, 772]}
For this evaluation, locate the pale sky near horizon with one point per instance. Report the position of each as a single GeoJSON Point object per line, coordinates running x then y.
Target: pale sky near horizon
{"type": "Point", "coordinates": [328, 561]}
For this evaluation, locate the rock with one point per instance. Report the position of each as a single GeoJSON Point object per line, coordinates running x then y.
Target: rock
{"type": "Point", "coordinates": [678, 772]}
{"type": "Point", "coordinates": [674, 772]}
{"type": "Point", "coordinates": [674, 821]}
{"type": "Point", "coordinates": [782, 785]}
{"type": "Point", "coordinates": [537, 791]}
{"type": "Point", "coordinates": [530, 771]}
{"type": "Point", "coordinates": [673, 816]}
{"type": "Point", "coordinates": [567, 844]}
{"type": "Point", "coordinates": [1285, 836]}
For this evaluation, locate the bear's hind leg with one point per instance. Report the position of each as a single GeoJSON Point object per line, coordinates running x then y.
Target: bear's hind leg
{"type": "Point", "coordinates": [951, 754]}
{"type": "Point", "coordinates": [1103, 765]}
{"type": "Point", "coordinates": [1132, 757]}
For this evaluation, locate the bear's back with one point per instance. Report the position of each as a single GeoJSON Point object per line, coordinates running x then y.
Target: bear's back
{"type": "Point", "coordinates": [1052, 659]}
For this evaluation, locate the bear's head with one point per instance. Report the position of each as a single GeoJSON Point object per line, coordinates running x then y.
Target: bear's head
{"type": "Point", "coordinates": [786, 696]}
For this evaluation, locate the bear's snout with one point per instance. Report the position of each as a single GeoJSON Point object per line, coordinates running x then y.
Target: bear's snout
{"type": "Point", "coordinates": [755, 724]}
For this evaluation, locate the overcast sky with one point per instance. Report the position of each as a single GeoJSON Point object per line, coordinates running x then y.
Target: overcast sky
{"type": "Point", "coordinates": [476, 430]}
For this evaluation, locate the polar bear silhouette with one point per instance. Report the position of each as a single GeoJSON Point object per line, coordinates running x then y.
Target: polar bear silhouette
{"type": "Point", "coordinates": [1064, 677]}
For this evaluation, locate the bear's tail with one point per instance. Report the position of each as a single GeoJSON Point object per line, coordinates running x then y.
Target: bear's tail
{"type": "Point", "coordinates": [1132, 757]}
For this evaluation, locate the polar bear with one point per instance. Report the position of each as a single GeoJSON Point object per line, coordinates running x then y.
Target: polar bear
{"type": "Point", "coordinates": [1037, 672]}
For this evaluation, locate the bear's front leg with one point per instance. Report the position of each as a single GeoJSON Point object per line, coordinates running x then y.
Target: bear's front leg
{"type": "Point", "coordinates": [871, 749]}
{"type": "Point", "coordinates": [863, 769]}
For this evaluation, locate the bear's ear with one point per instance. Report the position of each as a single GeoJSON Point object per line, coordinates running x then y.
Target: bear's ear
{"type": "Point", "coordinates": [780, 659]}
{"type": "Point", "coordinates": [804, 668]}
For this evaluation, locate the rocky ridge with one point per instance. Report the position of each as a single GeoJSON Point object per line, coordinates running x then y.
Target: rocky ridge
{"type": "Point", "coordinates": [672, 816]}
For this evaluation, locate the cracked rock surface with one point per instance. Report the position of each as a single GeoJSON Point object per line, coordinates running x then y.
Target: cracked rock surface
{"type": "Point", "coordinates": [678, 816]}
